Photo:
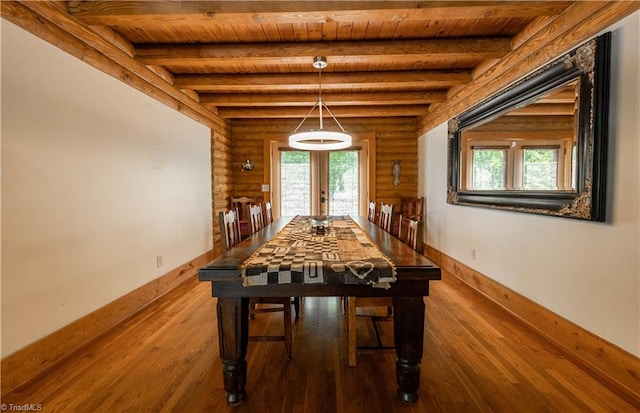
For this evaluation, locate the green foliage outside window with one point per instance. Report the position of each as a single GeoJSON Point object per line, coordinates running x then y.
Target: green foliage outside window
{"type": "Point", "coordinates": [342, 164]}
{"type": "Point", "coordinates": [344, 182]}
{"type": "Point", "coordinates": [489, 169]}
{"type": "Point", "coordinates": [295, 183]}
{"type": "Point", "coordinates": [540, 169]}
{"type": "Point", "coordinates": [290, 157]}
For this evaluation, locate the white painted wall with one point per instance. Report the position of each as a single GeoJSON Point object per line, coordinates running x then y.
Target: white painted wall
{"type": "Point", "coordinates": [586, 272]}
{"type": "Point", "coordinates": [97, 179]}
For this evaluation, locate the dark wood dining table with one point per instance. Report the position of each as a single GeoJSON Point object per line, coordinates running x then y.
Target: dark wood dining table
{"type": "Point", "coordinates": [414, 272]}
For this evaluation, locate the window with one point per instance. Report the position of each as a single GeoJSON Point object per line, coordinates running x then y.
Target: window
{"type": "Point", "coordinates": [318, 182]}
{"type": "Point", "coordinates": [295, 176]}
{"type": "Point", "coordinates": [540, 168]}
{"type": "Point", "coordinates": [344, 183]}
{"type": "Point", "coordinates": [536, 165]}
{"type": "Point", "coordinates": [489, 168]}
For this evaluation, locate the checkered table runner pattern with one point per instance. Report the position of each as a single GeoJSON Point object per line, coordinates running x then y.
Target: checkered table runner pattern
{"type": "Point", "coordinates": [297, 255]}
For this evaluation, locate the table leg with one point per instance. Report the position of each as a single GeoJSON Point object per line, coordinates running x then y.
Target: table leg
{"type": "Point", "coordinates": [233, 333]}
{"type": "Point", "coordinates": [408, 325]}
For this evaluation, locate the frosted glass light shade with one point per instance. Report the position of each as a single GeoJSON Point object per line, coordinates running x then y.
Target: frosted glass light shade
{"type": "Point", "coordinates": [320, 140]}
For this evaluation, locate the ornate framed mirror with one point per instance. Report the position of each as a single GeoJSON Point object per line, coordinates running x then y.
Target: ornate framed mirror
{"type": "Point", "coordinates": [539, 146]}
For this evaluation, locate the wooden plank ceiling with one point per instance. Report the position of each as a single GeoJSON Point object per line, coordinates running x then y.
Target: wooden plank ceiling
{"type": "Point", "coordinates": [226, 60]}
{"type": "Point", "coordinates": [253, 59]}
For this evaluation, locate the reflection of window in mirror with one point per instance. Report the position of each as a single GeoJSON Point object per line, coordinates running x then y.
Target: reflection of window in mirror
{"type": "Point", "coordinates": [530, 147]}
{"type": "Point", "coordinates": [541, 168]}
{"type": "Point", "coordinates": [489, 168]}
{"type": "Point", "coordinates": [508, 164]}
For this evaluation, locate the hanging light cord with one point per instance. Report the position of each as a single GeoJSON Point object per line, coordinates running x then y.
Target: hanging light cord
{"type": "Point", "coordinates": [319, 104]}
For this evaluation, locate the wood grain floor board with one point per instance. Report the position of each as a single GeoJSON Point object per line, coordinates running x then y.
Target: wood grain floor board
{"type": "Point", "coordinates": [478, 358]}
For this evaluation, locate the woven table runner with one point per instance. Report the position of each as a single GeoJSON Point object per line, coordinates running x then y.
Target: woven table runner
{"type": "Point", "coordinates": [345, 254]}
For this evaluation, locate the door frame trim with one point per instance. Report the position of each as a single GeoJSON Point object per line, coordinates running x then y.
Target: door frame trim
{"type": "Point", "coordinates": [366, 141]}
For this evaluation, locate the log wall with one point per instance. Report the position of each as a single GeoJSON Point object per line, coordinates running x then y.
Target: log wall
{"type": "Point", "coordinates": [221, 178]}
{"type": "Point", "coordinates": [394, 139]}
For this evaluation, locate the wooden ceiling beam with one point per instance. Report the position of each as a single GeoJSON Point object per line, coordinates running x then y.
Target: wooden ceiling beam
{"type": "Point", "coordinates": [546, 109]}
{"type": "Point", "coordinates": [309, 99]}
{"type": "Point", "coordinates": [300, 82]}
{"type": "Point", "coordinates": [579, 22]}
{"type": "Point", "coordinates": [563, 96]}
{"type": "Point", "coordinates": [303, 53]}
{"type": "Point", "coordinates": [200, 13]}
{"type": "Point", "coordinates": [339, 112]}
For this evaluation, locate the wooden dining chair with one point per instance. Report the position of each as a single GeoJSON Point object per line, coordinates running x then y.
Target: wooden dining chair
{"type": "Point", "coordinates": [229, 229]}
{"type": "Point", "coordinates": [256, 219]}
{"type": "Point", "coordinates": [353, 303]}
{"type": "Point", "coordinates": [410, 232]}
{"type": "Point", "coordinates": [371, 216]}
{"type": "Point", "coordinates": [409, 208]}
{"type": "Point", "coordinates": [412, 208]}
{"type": "Point", "coordinates": [386, 216]}
{"type": "Point", "coordinates": [268, 213]}
{"type": "Point", "coordinates": [372, 211]}
{"type": "Point", "coordinates": [375, 308]}
{"type": "Point", "coordinates": [267, 219]}
{"type": "Point", "coordinates": [241, 204]}
{"type": "Point", "coordinates": [274, 304]}
{"type": "Point", "coordinates": [230, 237]}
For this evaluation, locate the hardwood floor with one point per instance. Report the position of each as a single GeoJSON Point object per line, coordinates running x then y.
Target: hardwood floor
{"type": "Point", "coordinates": [478, 358]}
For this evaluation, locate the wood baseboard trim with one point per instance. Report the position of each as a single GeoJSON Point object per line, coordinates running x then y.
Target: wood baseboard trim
{"type": "Point", "coordinates": [41, 356]}
{"type": "Point", "coordinates": [613, 366]}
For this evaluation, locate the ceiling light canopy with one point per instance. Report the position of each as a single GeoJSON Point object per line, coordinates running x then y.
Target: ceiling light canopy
{"type": "Point", "coordinates": [320, 139]}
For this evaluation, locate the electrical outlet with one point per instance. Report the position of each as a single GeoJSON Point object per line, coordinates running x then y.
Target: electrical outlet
{"type": "Point", "coordinates": [474, 254]}
{"type": "Point", "coordinates": [159, 260]}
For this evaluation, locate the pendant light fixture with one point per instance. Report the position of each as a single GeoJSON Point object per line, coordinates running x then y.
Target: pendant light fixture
{"type": "Point", "coordinates": [320, 139]}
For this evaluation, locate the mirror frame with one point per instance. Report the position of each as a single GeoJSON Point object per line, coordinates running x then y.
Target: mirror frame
{"type": "Point", "coordinates": [590, 64]}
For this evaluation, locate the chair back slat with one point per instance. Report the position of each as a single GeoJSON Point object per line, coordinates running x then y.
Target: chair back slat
{"type": "Point", "coordinates": [386, 216]}
{"type": "Point", "coordinates": [372, 211]}
{"type": "Point", "coordinates": [268, 213]}
{"type": "Point", "coordinates": [410, 232]}
{"type": "Point", "coordinates": [229, 229]}
{"type": "Point", "coordinates": [255, 218]}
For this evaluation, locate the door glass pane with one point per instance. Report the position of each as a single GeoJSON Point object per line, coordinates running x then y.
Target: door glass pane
{"type": "Point", "coordinates": [344, 190]}
{"type": "Point", "coordinates": [295, 183]}
{"type": "Point", "coordinates": [489, 169]}
{"type": "Point", "coordinates": [540, 169]}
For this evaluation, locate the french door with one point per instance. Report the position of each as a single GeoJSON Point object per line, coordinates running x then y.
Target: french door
{"type": "Point", "coordinates": [319, 183]}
